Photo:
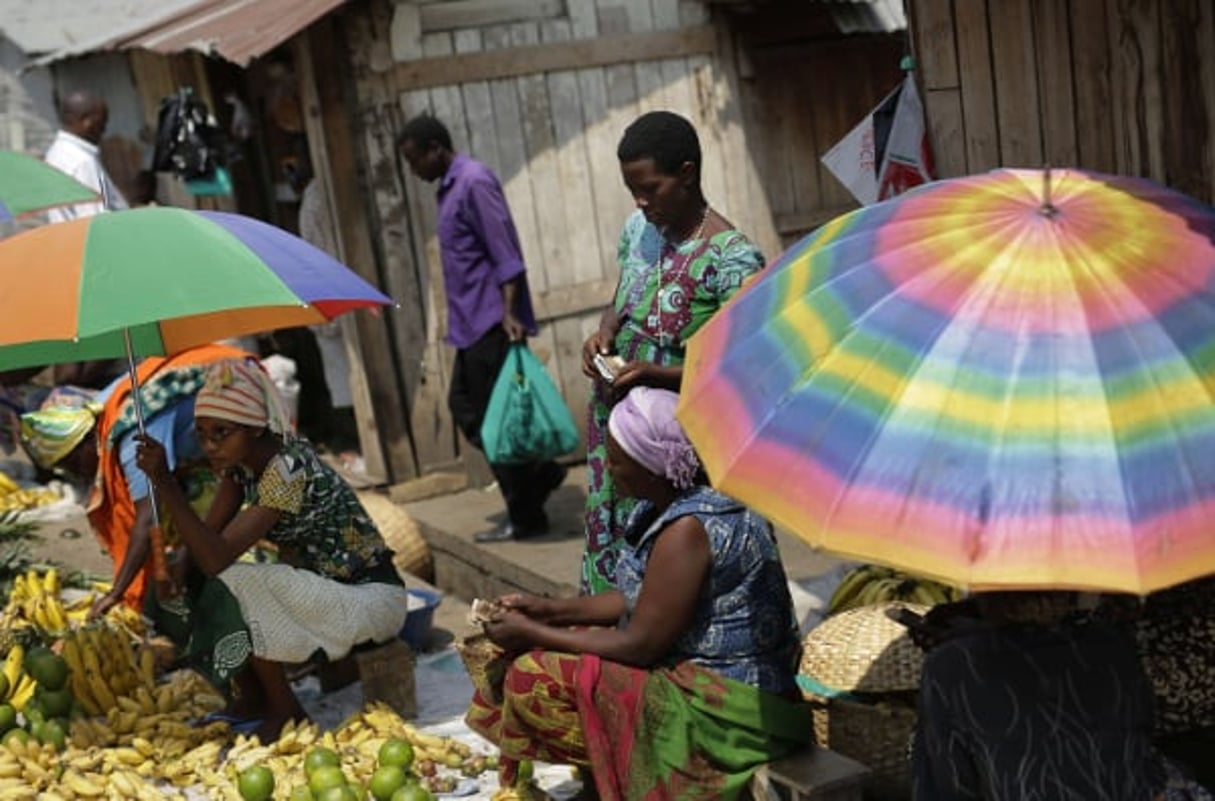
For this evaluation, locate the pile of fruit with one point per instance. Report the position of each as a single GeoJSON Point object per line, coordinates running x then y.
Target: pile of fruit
{"type": "Point", "coordinates": [874, 584]}
{"type": "Point", "coordinates": [84, 715]}
{"type": "Point", "coordinates": [15, 499]}
{"type": "Point", "coordinates": [374, 754]}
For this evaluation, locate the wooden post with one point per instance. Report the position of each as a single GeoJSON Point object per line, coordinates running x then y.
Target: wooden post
{"type": "Point", "coordinates": [386, 441]}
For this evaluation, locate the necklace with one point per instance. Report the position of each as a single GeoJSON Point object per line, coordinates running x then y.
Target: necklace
{"type": "Point", "coordinates": [669, 290]}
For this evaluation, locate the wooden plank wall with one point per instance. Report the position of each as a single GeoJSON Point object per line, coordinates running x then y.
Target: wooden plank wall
{"type": "Point", "coordinates": [1120, 86]}
{"type": "Point", "coordinates": [542, 98]}
{"type": "Point", "coordinates": [802, 88]}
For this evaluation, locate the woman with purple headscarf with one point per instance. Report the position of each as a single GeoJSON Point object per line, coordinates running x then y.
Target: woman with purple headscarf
{"type": "Point", "coordinates": [679, 682]}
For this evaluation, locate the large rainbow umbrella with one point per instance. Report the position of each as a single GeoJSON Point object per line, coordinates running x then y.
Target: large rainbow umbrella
{"type": "Point", "coordinates": [167, 279]}
{"type": "Point", "coordinates": [28, 185]}
{"type": "Point", "coordinates": [1001, 381]}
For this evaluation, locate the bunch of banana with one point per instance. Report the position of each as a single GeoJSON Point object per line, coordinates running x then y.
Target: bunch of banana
{"type": "Point", "coordinates": [27, 769]}
{"type": "Point", "coordinates": [128, 620]}
{"type": "Point", "coordinates": [105, 667]}
{"type": "Point", "coordinates": [13, 498]}
{"type": "Point", "coordinates": [36, 599]}
{"type": "Point", "coordinates": [21, 685]}
{"type": "Point", "coordinates": [872, 584]}
{"type": "Point", "coordinates": [146, 742]}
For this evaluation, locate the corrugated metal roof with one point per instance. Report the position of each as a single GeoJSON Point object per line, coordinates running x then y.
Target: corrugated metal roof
{"type": "Point", "coordinates": [868, 16]}
{"type": "Point", "coordinates": [43, 26]}
{"type": "Point", "coordinates": [238, 30]}
{"type": "Point", "coordinates": [850, 16]}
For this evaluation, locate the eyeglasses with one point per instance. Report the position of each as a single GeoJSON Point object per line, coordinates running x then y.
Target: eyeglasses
{"type": "Point", "coordinates": [216, 436]}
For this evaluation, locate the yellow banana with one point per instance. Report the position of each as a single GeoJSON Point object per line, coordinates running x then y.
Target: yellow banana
{"type": "Point", "coordinates": [23, 693]}
{"type": "Point", "coordinates": [55, 614]}
{"type": "Point", "coordinates": [70, 651]}
{"type": "Point", "coordinates": [82, 693]}
{"type": "Point", "coordinates": [127, 756]}
{"type": "Point", "coordinates": [147, 704]}
{"type": "Point", "coordinates": [125, 784]}
{"type": "Point", "coordinates": [143, 746]}
{"type": "Point", "coordinates": [50, 582]}
{"type": "Point", "coordinates": [88, 655]}
{"type": "Point", "coordinates": [10, 769]}
{"type": "Point", "coordinates": [129, 705]}
{"type": "Point", "coordinates": [82, 786]}
{"type": "Point", "coordinates": [13, 666]}
{"type": "Point", "coordinates": [166, 698]}
{"type": "Point", "coordinates": [32, 582]}
{"type": "Point", "coordinates": [20, 591]}
{"type": "Point", "coordinates": [100, 690]}
{"type": "Point", "coordinates": [34, 772]}
{"type": "Point", "coordinates": [147, 667]}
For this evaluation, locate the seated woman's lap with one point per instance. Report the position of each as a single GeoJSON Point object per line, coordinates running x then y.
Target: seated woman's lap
{"type": "Point", "coordinates": [538, 718]}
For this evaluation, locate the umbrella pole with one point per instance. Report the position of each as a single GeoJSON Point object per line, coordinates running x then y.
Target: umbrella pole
{"type": "Point", "coordinates": [156, 545]}
{"type": "Point", "coordinates": [1048, 209]}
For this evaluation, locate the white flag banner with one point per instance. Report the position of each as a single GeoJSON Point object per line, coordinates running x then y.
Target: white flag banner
{"type": "Point", "coordinates": [887, 153]}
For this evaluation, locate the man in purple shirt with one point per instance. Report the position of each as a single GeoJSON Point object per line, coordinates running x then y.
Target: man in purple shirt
{"type": "Point", "coordinates": [488, 306]}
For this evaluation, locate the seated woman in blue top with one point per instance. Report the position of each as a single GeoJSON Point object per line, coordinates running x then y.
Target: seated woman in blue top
{"type": "Point", "coordinates": [678, 683]}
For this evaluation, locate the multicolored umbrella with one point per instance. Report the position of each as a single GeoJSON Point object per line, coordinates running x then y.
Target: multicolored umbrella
{"type": "Point", "coordinates": [156, 281]}
{"type": "Point", "coordinates": [167, 277]}
{"type": "Point", "coordinates": [28, 185]}
{"type": "Point", "coordinates": [1001, 381]}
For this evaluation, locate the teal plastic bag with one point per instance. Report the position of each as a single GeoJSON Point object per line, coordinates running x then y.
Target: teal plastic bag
{"type": "Point", "coordinates": [527, 419]}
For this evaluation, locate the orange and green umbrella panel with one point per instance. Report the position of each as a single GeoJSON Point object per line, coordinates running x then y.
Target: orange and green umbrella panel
{"type": "Point", "coordinates": [28, 185]}
{"type": "Point", "coordinates": [168, 278]}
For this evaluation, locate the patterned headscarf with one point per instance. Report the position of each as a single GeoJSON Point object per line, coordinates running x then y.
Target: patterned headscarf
{"type": "Point", "coordinates": [645, 426]}
{"type": "Point", "coordinates": [51, 434]}
{"type": "Point", "coordinates": [241, 392]}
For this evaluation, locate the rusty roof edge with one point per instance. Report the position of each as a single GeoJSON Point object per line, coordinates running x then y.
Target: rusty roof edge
{"type": "Point", "coordinates": [115, 37]}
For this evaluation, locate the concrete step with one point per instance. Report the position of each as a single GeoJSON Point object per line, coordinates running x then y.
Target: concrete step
{"type": "Point", "coordinates": [546, 565]}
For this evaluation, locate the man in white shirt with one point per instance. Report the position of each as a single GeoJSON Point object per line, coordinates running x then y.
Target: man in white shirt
{"type": "Point", "coordinates": [82, 121]}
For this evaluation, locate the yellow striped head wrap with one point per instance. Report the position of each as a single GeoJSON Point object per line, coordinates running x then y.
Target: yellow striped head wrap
{"type": "Point", "coordinates": [51, 434]}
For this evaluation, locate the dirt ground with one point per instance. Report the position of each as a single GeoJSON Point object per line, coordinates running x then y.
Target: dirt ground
{"type": "Point", "coordinates": [71, 544]}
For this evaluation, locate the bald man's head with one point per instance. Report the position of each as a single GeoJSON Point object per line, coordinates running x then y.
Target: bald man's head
{"type": "Point", "coordinates": [83, 114]}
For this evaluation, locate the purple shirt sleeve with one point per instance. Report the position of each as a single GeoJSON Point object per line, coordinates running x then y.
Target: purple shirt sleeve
{"type": "Point", "coordinates": [491, 220]}
{"type": "Point", "coordinates": [481, 252]}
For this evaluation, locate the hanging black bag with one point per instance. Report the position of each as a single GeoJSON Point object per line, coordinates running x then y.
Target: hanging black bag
{"type": "Point", "coordinates": [189, 140]}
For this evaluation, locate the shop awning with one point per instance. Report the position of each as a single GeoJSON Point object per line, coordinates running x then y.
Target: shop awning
{"type": "Point", "coordinates": [237, 30]}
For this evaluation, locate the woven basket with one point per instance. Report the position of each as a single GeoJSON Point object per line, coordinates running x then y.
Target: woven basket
{"type": "Point", "coordinates": [411, 554]}
{"type": "Point", "coordinates": [863, 650]}
{"type": "Point", "coordinates": [486, 664]}
{"type": "Point", "coordinates": [878, 735]}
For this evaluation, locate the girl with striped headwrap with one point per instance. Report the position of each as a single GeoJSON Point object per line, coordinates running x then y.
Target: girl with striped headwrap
{"type": "Point", "coordinates": [334, 586]}
{"type": "Point", "coordinates": [94, 442]}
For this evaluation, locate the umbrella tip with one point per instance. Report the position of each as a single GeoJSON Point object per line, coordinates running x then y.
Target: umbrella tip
{"type": "Point", "coordinates": [1047, 209]}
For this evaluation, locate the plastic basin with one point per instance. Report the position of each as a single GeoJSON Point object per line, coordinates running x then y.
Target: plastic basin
{"type": "Point", "coordinates": [420, 618]}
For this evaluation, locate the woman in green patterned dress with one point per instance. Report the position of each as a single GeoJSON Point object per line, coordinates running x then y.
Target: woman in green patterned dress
{"type": "Point", "coordinates": [334, 586]}
{"type": "Point", "coordinates": [680, 261]}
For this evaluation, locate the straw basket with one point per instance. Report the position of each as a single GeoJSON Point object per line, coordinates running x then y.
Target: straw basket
{"type": "Point", "coordinates": [400, 531]}
{"type": "Point", "coordinates": [863, 650]}
{"type": "Point", "coordinates": [387, 674]}
{"type": "Point", "coordinates": [486, 664]}
{"type": "Point", "coordinates": [876, 734]}
{"type": "Point", "coordinates": [869, 670]}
